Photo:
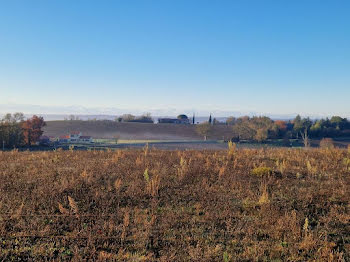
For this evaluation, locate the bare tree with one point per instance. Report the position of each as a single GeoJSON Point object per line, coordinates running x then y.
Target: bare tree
{"type": "Point", "coordinates": [18, 117]}
{"type": "Point", "coordinates": [305, 137]}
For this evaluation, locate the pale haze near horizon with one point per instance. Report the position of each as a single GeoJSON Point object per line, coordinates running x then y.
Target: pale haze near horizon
{"type": "Point", "coordinates": [266, 57]}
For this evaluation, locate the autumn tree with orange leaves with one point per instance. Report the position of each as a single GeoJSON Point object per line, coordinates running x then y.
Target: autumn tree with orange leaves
{"type": "Point", "coordinates": [282, 125]}
{"type": "Point", "coordinates": [32, 129]}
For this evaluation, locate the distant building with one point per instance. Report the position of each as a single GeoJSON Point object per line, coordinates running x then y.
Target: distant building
{"type": "Point", "coordinates": [85, 139]}
{"type": "Point", "coordinates": [75, 137]}
{"type": "Point", "coordinates": [64, 139]}
{"type": "Point", "coordinates": [168, 121]}
{"type": "Point", "coordinates": [181, 119]}
{"type": "Point", "coordinates": [173, 121]}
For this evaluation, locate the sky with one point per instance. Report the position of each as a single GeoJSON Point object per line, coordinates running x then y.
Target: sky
{"type": "Point", "coordinates": [266, 57]}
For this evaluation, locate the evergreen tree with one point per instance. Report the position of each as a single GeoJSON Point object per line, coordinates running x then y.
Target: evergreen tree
{"type": "Point", "coordinates": [297, 125]}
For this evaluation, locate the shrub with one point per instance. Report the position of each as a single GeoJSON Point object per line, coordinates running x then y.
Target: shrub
{"type": "Point", "coordinates": [327, 143]}
{"type": "Point", "coordinates": [261, 171]}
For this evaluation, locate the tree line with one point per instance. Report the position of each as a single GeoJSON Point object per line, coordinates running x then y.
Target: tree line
{"type": "Point", "coordinates": [262, 128]}
{"type": "Point", "coordinates": [16, 131]}
{"type": "Point", "coordinates": [145, 118]}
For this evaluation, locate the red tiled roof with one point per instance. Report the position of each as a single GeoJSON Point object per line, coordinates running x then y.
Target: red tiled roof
{"type": "Point", "coordinates": [64, 137]}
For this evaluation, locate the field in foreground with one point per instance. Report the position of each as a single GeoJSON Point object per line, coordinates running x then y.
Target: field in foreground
{"type": "Point", "coordinates": [153, 205]}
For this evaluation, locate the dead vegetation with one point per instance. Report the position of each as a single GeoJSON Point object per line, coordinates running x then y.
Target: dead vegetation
{"type": "Point", "coordinates": [153, 205]}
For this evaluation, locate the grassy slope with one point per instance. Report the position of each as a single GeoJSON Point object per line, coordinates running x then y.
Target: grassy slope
{"type": "Point", "coordinates": [189, 206]}
{"type": "Point", "coordinates": [134, 131]}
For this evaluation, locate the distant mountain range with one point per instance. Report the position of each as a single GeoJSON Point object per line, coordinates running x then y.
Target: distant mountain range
{"type": "Point", "coordinates": [109, 113]}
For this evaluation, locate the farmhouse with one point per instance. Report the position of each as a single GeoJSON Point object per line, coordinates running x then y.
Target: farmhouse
{"type": "Point", "coordinates": [75, 137]}
{"type": "Point", "coordinates": [64, 139]}
{"type": "Point", "coordinates": [169, 121]}
{"type": "Point", "coordinates": [181, 119]}
{"type": "Point", "coordinates": [85, 139]}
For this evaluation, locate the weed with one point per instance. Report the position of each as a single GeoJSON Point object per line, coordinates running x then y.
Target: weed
{"type": "Point", "coordinates": [281, 166]}
{"type": "Point", "coordinates": [226, 257]}
{"type": "Point", "coordinates": [312, 170]}
{"type": "Point", "coordinates": [346, 162]}
{"type": "Point", "coordinates": [146, 175]}
{"type": "Point", "coordinates": [262, 171]}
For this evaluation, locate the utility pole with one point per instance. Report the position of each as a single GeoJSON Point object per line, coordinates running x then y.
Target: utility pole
{"type": "Point", "coordinates": [3, 145]}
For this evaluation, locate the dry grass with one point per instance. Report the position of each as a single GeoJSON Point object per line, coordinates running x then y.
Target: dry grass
{"type": "Point", "coordinates": [153, 205]}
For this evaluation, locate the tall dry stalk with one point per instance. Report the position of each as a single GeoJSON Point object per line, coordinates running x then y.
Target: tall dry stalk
{"type": "Point", "coordinates": [153, 186]}
{"type": "Point", "coordinates": [73, 205]}
{"type": "Point", "coordinates": [231, 149]}
{"type": "Point", "coordinates": [264, 198]}
{"type": "Point", "coordinates": [146, 150]}
{"type": "Point", "coordinates": [117, 185]}
{"type": "Point", "coordinates": [182, 169]}
{"type": "Point", "coordinates": [62, 210]}
{"type": "Point", "coordinates": [126, 222]}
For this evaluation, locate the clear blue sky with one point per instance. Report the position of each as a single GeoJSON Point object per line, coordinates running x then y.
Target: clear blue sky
{"type": "Point", "coordinates": [263, 56]}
